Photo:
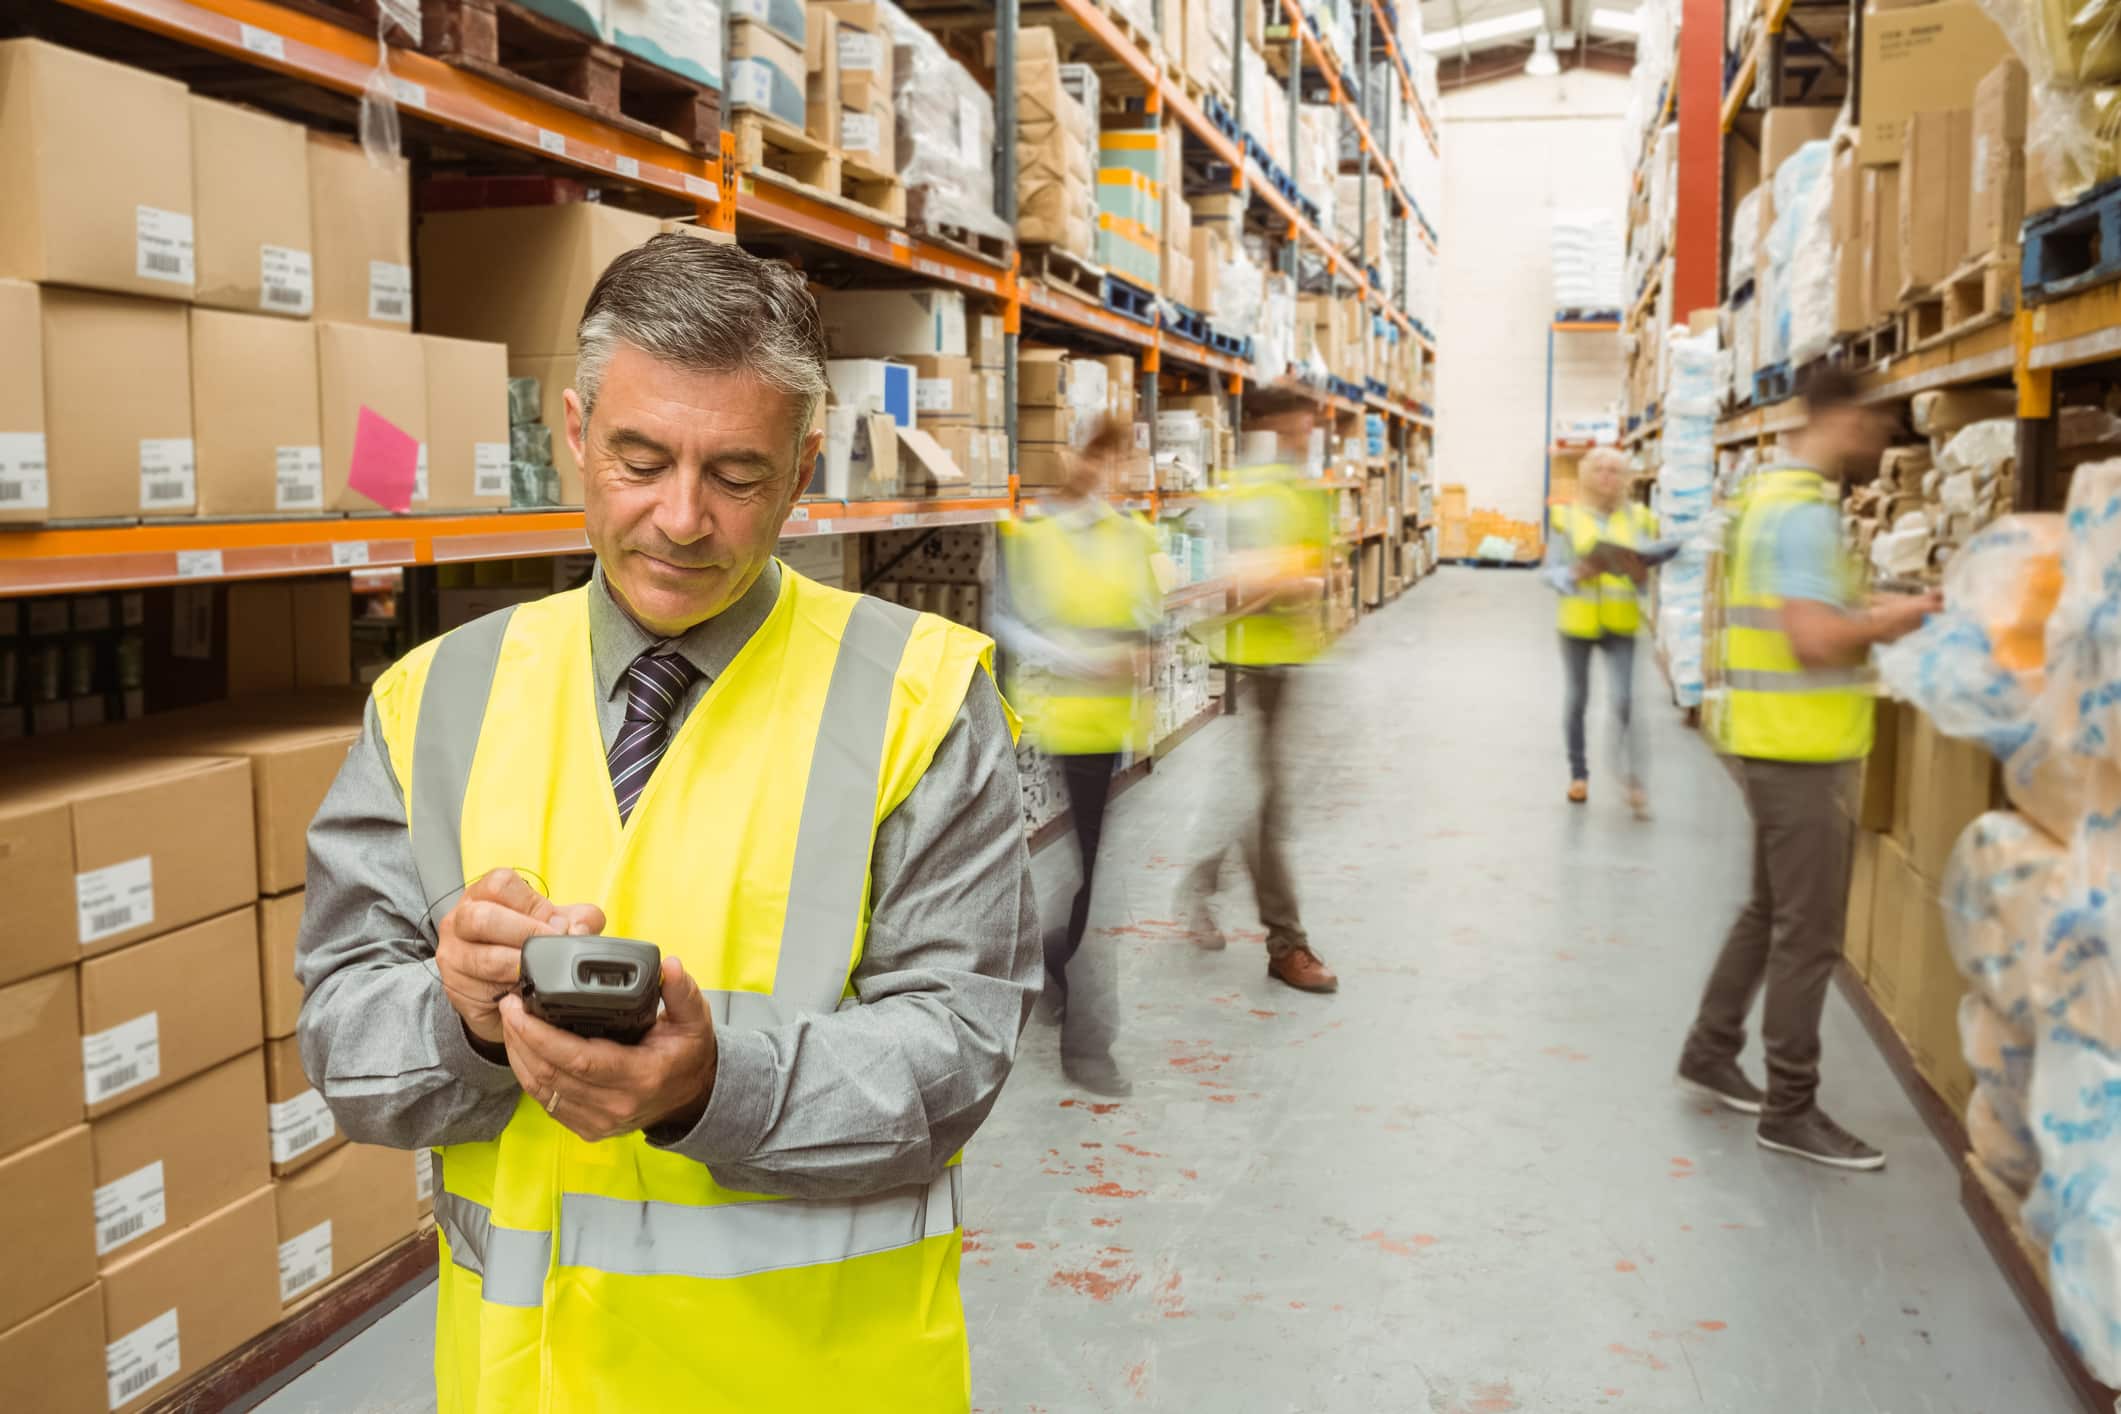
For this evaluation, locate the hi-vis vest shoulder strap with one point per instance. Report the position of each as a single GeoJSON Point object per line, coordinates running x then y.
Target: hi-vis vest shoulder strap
{"type": "Point", "coordinates": [572, 1271]}
{"type": "Point", "coordinates": [1606, 605]}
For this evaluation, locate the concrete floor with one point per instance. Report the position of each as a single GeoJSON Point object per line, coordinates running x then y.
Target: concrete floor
{"type": "Point", "coordinates": [1464, 1185]}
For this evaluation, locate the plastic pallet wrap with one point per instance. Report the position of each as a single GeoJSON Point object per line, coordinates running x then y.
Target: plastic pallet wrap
{"type": "Point", "coordinates": [1802, 190]}
{"type": "Point", "coordinates": [1811, 287]}
{"type": "Point", "coordinates": [1744, 254]}
{"type": "Point", "coordinates": [945, 123]}
{"type": "Point", "coordinates": [2072, 54]}
{"type": "Point", "coordinates": [1998, 1118]}
{"type": "Point", "coordinates": [1587, 259]}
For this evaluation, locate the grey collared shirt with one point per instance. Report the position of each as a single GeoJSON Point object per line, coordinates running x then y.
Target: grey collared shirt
{"type": "Point", "coordinates": [875, 1095]}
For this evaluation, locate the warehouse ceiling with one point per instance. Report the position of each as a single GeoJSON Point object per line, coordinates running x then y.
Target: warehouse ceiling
{"type": "Point", "coordinates": [1476, 41]}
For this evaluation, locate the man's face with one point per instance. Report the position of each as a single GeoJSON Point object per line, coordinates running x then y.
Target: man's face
{"type": "Point", "coordinates": [1849, 438]}
{"type": "Point", "coordinates": [1606, 480]}
{"type": "Point", "coordinates": [687, 480]}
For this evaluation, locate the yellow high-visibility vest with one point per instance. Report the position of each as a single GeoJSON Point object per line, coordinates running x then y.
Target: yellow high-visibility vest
{"type": "Point", "coordinates": [617, 1276]}
{"type": "Point", "coordinates": [1774, 708]}
{"type": "Point", "coordinates": [1088, 586]}
{"type": "Point", "coordinates": [1595, 608]}
{"type": "Point", "coordinates": [1270, 509]}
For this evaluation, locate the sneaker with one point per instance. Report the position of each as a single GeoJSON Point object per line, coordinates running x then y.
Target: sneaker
{"type": "Point", "coordinates": [1301, 969]}
{"type": "Point", "coordinates": [1100, 1075]}
{"type": "Point", "coordinates": [1724, 1082]}
{"type": "Point", "coordinates": [1579, 792]}
{"type": "Point", "coordinates": [1811, 1135]}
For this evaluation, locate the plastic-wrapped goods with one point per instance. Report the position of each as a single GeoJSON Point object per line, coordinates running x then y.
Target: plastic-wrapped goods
{"type": "Point", "coordinates": [945, 125]}
{"type": "Point", "coordinates": [1810, 290]}
{"type": "Point", "coordinates": [2003, 886]}
{"type": "Point", "coordinates": [1798, 197]}
{"type": "Point", "coordinates": [1998, 1123]}
{"type": "Point", "coordinates": [2076, 1206]}
{"type": "Point", "coordinates": [1274, 341]}
{"type": "Point", "coordinates": [1240, 285]}
{"type": "Point", "coordinates": [1745, 238]}
{"type": "Point", "coordinates": [1586, 247]}
{"type": "Point", "coordinates": [2081, 40]}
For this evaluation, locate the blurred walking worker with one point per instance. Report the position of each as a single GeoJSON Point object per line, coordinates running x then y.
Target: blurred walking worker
{"type": "Point", "coordinates": [1795, 711]}
{"type": "Point", "coordinates": [1080, 595]}
{"type": "Point", "coordinates": [1598, 559]}
{"type": "Point", "coordinates": [1279, 535]}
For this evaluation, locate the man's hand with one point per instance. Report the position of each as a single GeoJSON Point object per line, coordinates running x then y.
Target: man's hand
{"type": "Point", "coordinates": [1895, 616]}
{"type": "Point", "coordinates": [481, 943]}
{"type": "Point", "coordinates": [600, 1089]}
{"type": "Point", "coordinates": [1585, 570]}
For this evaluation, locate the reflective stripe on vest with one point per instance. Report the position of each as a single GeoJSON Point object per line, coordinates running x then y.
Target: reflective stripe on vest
{"type": "Point", "coordinates": [1608, 603]}
{"type": "Point", "coordinates": [716, 1242]}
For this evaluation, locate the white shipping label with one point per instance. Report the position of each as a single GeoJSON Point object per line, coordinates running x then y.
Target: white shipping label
{"type": "Point", "coordinates": [552, 142]}
{"type": "Point", "coordinates": [858, 131]}
{"type": "Point", "coordinates": [627, 166]}
{"type": "Point", "coordinates": [162, 245]}
{"type": "Point", "coordinates": [489, 468]}
{"type": "Point", "coordinates": [305, 1260]}
{"type": "Point", "coordinates": [115, 898]}
{"type": "Point", "coordinates": [408, 93]}
{"type": "Point", "coordinates": [346, 554]}
{"type": "Point", "coordinates": [859, 52]}
{"type": "Point", "coordinates": [168, 479]}
{"type": "Point", "coordinates": [390, 291]}
{"type": "Point", "coordinates": [197, 564]}
{"type": "Point", "coordinates": [751, 84]}
{"type": "Point", "coordinates": [932, 394]}
{"type": "Point", "coordinates": [969, 140]}
{"type": "Point", "coordinates": [298, 478]}
{"type": "Point", "coordinates": [143, 1358]}
{"type": "Point", "coordinates": [419, 476]}
{"type": "Point", "coordinates": [285, 282]}
{"type": "Point", "coordinates": [423, 1175]}
{"type": "Point", "coordinates": [122, 1057]}
{"type": "Point", "coordinates": [298, 1125]}
{"type": "Point", "coordinates": [130, 1206]}
{"type": "Point", "coordinates": [24, 484]}
{"type": "Point", "coordinates": [263, 41]}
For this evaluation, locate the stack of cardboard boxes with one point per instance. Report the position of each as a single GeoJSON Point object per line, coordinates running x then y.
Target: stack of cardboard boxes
{"type": "Point", "coordinates": [918, 396]}
{"type": "Point", "coordinates": [1061, 399]}
{"type": "Point", "coordinates": [1056, 142]}
{"type": "Point", "coordinates": [847, 55]}
{"type": "Point", "coordinates": [212, 297]}
{"type": "Point", "coordinates": [768, 74]}
{"type": "Point", "coordinates": [1130, 204]}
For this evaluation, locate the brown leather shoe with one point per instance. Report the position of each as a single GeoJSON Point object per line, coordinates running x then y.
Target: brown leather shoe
{"type": "Point", "coordinates": [1579, 792]}
{"type": "Point", "coordinates": [1302, 970]}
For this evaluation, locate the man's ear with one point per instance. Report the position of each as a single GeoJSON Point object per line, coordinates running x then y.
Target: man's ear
{"type": "Point", "coordinates": [806, 464]}
{"type": "Point", "coordinates": [577, 426]}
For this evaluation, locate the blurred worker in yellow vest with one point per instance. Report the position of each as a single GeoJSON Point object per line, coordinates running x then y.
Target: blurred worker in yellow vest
{"type": "Point", "coordinates": [1600, 549]}
{"type": "Point", "coordinates": [1082, 588]}
{"type": "Point", "coordinates": [1795, 710]}
{"type": "Point", "coordinates": [1279, 533]}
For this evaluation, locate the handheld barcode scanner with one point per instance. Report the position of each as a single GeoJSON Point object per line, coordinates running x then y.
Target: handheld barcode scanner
{"type": "Point", "coordinates": [599, 988]}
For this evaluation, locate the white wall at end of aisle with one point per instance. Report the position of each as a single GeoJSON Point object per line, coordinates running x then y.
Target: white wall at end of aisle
{"type": "Point", "coordinates": [1512, 151]}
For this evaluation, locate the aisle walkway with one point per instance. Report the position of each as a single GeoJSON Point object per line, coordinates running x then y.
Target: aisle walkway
{"type": "Point", "coordinates": [1465, 1184]}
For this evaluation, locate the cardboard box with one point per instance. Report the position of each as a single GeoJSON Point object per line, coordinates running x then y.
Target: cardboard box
{"type": "Point", "coordinates": [47, 1225]}
{"type": "Point", "coordinates": [1874, 783]}
{"type": "Point", "coordinates": [945, 390]}
{"type": "Point", "coordinates": [766, 73]}
{"type": "Point", "coordinates": [255, 424]}
{"type": "Point", "coordinates": [1996, 178]}
{"type": "Point", "coordinates": [555, 377]}
{"type": "Point", "coordinates": [1863, 886]}
{"type": "Point", "coordinates": [985, 342]}
{"type": "Point", "coordinates": [92, 200]}
{"type": "Point", "coordinates": [1784, 130]}
{"type": "Point", "coordinates": [360, 366]}
{"type": "Point", "coordinates": [169, 1161]}
{"type": "Point", "coordinates": [339, 1212]}
{"type": "Point", "coordinates": [1041, 378]}
{"type": "Point", "coordinates": [1923, 57]}
{"type": "Point", "coordinates": [323, 631]}
{"type": "Point", "coordinates": [117, 406]}
{"type": "Point", "coordinates": [520, 276]}
{"type": "Point", "coordinates": [1881, 247]}
{"type": "Point", "coordinates": [25, 491]}
{"type": "Point", "coordinates": [873, 385]}
{"type": "Point", "coordinates": [361, 221]}
{"type": "Point", "coordinates": [1933, 196]}
{"type": "Point", "coordinates": [821, 86]}
{"type": "Point", "coordinates": [298, 1124]}
{"type": "Point", "coordinates": [1043, 464]}
{"type": "Point", "coordinates": [279, 927]}
{"type": "Point", "coordinates": [1927, 1009]}
{"type": "Point", "coordinates": [176, 1306]}
{"type": "Point", "coordinates": [1893, 885]}
{"type": "Point", "coordinates": [894, 323]}
{"type": "Point", "coordinates": [40, 1054]}
{"type": "Point", "coordinates": [250, 180]}
{"type": "Point", "coordinates": [926, 469]}
{"type": "Point", "coordinates": [467, 423]}
{"type": "Point", "coordinates": [681, 38]}
{"type": "Point", "coordinates": [1208, 243]}
{"type": "Point", "coordinates": [164, 1010]}
{"type": "Point", "coordinates": [97, 852]}
{"type": "Point", "coordinates": [52, 1363]}
{"type": "Point", "coordinates": [1953, 782]}
{"type": "Point", "coordinates": [859, 460]}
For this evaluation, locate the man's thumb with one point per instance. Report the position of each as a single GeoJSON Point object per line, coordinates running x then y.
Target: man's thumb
{"type": "Point", "coordinates": [683, 1002]}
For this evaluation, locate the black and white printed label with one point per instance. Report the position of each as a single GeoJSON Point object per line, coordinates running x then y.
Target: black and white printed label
{"type": "Point", "coordinates": [859, 52]}
{"type": "Point", "coordinates": [114, 898]}
{"type": "Point", "coordinates": [129, 1207]}
{"type": "Point", "coordinates": [298, 1125]}
{"type": "Point", "coordinates": [298, 478]}
{"type": "Point", "coordinates": [124, 1057]}
{"type": "Point", "coordinates": [419, 475]}
{"type": "Point", "coordinates": [305, 1260]}
{"type": "Point", "coordinates": [168, 478]}
{"type": "Point", "coordinates": [423, 1175]}
{"type": "Point", "coordinates": [24, 483]}
{"type": "Point", "coordinates": [285, 284]}
{"type": "Point", "coordinates": [143, 1358]}
{"type": "Point", "coordinates": [489, 468]}
{"type": "Point", "coordinates": [162, 245]}
{"type": "Point", "coordinates": [858, 131]}
{"type": "Point", "coordinates": [389, 292]}
{"type": "Point", "coordinates": [931, 394]}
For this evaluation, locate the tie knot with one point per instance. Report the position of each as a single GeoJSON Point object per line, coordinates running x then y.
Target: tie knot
{"type": "Point", "coordinates": [656, 683]}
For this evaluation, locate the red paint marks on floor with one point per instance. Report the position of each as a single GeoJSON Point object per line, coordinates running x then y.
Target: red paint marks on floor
{"type": "Point", "coordinates": [1196, 1065]}
{"type": "Point", "coordinates": [1734, 1227]}
{"type": "Point", "coordinates": [1095, 1144]}
{"type": "Point", "coordinates": [1104, 1222]}
{"type": "Point", "coordinates": [1093, 1106]}
{"type": "Point", "coordinates": [1682, 1163]}
{"type": "Point", "coordinates": [1140, 1153]}
{"type": "Point", "coordinates": [1568, 1053]}
{"type": "Point", "coordinates": [1713, 1325]}
{"type": "Point", "coordinates": [1189, 1173]}
{"type": "Point", "coordinates": [1296, 1305]}
{"type": "Point", "coordinates": [1495, 1398]}
{"type": "Point", "coordinates": [1614, 1391]}
{"type": "Point", "coordinates": [1027, 1246]}
{"type": "Point", "coordinates": [1400, 1247]}
{"type": "Point", "coordinates": [972, 1240]}
{"type": "Point", "coordinates": [1639, 1357]}
{"type": "Point", "coordinates": [1686, 1227]}
{"type": "Point", "coordinates": [1211, 1085]}
{"type": "Point", "coordinates": [1680, 1173]}
{"type": "Point", "coordinates": [1623, 1266]}
{"type": "Point", "coordinates": [1263, 1015]}
{"type": "Point", "coordinates": [1109, 1189]}
{"type": "Point", "coordinates": [1168, 1299]}
{"type": "Point", "coordinates": [1224, 1099]}
{"type": "Point", "coordinates": [1564, 956]}
{"type": "Point", "coordinates": [1136, 1373]}
{"type": "Point", "coordinates": [1366, 1109]}
{"type": "Point", "coordinates": [1094, 1284]}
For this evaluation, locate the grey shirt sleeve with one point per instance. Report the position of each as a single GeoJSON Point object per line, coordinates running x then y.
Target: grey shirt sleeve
{"type": "Point", "coordinates": [885, 1090]}
{"type": "Point", "coordinates": [1559, 571]}
{"type": "Point", "coordinates": [379, 1038]}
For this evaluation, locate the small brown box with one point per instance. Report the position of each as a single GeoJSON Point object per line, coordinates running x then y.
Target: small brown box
{"type": "Point", "coordinates": [299, 1124]}
{"type": "Point", "coordinates": [339, 1212]}
{"type": "Point", "coordinates": [279, 926]}
{"type": "Point", "coordinates": [47, 1223]}
{"type": "Point", "coordinates": [944, 390]}
{"type": "Point", "coordinates": [254, 414]}
{"type": "Point", "coordinates": [161, 1011]}
{"type": "Point", "coordinates": [467, 423]}
{"type": "Point", "coordinates": [52, 1363]}
{"type": "Point", "coordinates": [361, 367]}
{"type": "Point", "coordinates": [168, 1161]}
{"type": "Point", "coordinates": [1933, 196]}
{"type": "Point", "coordinates": [40, 1054]}
{"type": "Point", "coordinates": [250, 179]}
{"type": "Point", "coordinates": [117, 406]}
{"type": "Point", "coordinates": [176, 1306]}
{"type": "Point", "coordinates": [25, 486]}
{"type": "Point", "coordinates": [361, 222]}
{"type": "Point", "coordinates": [1863, 886]}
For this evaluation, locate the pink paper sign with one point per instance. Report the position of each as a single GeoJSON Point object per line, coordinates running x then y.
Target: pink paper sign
{"type": "Point", "coordinates": [386, 461]}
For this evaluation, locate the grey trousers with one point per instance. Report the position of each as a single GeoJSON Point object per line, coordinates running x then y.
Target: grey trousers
{"type": "Point", "coordinates": [1790, 933]}
{"type": "Point", "coordinates": [1258, 817]}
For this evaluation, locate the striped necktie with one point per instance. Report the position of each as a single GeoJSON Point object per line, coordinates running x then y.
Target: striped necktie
{"type": "Point", "coordinates": [656, 684]}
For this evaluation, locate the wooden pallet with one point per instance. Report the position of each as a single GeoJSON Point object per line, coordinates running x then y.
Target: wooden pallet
{"type": "Point", "coordinates": [873, 187]}
{"type": "Point", "coordinates": [1877, 345]}
{"type": "Point", "coordinates": [1977, 294]}
{"type": "Point", "coordinates": [532, 53]}
{"type": "Point", "coordinates": [2073, 247]}
{"type": "Point", "coordinates": [784, 154]}
{"type": "Point", "coordinates": [1065, 271]}
{"type": "Point", "coordinates": [994, 250]}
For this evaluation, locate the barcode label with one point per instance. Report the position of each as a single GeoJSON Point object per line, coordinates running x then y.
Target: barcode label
{"type": "Point", "coordinates": [902, 519]}
{"type": "Point", "coordinates": [114, 898]}
{"type": "Point", "coordinates": [298, 1125]}
{"type": "Point", "coordinates": [162, 245]}
{"type": "Point", "coordinates": [168, 476]}
{"type": "Point", "coordinates": [390, 291]}
{"type": "Point", "coordinates": [419, 476]}
{"type": "Point", "coordinates": [700, 186]}
{"type": "Point", "coordinates": [489, 469]}
{"type": "Point", "coordinates": [264, 42]}
{"type": "Point", "coordinates": [932, 394]}
{"type": "Point", "coordinates": [348, 553]}
{"type": "Point", "coordinates": [286, 284]}
{"type": "Point", "coordinates": [859, 52]}
{"type": "Point", "coordinates": [858, 131]}
{"type": "Point", "coordinates": [142, 1358]}
{"type": "Point", "coordinates": [408, 93]}
{"type": "Point", "coordinates": [129, 1206]}
{"type": "Point", "coordinates": [627, 166]}
{"type": "Point", "coordinates": [298, 478]}
{"type": "Point", "coordinates": [552, 142]}
{"type": "Point", "coordinates": [821, 526]}
{"type": "Point", "coordinates": [116, 1060]}
{"type": "Point", "coordinates": [423, 1175]}
{"type": "Point", "coordinates": [198, 564]}
{"type": "Point", "coordinates": [305, 1260]}
{"type": "Point", "coordinates": [23, 483]}
{"type": "Point", "coordinates": [799, 513]}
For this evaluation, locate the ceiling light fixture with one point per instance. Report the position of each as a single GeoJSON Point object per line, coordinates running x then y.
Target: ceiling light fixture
{"type": "Point", "coordinates": [1542, 64]}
